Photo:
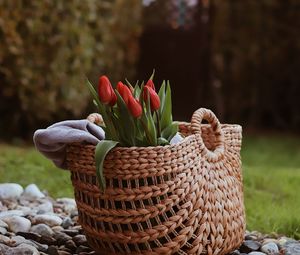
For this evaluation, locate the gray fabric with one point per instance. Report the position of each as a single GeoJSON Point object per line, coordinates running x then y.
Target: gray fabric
{"type": "Point", "coordinates": [52, 141]}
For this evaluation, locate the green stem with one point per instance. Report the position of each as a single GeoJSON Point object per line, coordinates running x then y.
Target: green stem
{"type": "Point", "coordinates": [158, 124]}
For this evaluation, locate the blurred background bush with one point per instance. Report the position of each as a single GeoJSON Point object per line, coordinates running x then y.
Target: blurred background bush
{"type": "Point", "coordinates": [48, 47]}
{"type": "Point", "coordinates": [239, 58]}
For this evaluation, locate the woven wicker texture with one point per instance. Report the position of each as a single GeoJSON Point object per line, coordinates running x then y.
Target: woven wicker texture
{"type": "Point", "coordinates": [185, 198]}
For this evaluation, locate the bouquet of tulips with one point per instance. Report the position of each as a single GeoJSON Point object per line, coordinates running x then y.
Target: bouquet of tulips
{"type": "Point", "coordinates": [133, 116]}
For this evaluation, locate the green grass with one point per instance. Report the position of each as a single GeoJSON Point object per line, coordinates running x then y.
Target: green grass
{"type": "Point", "coordinates": [271, 169]}
{"type": "Point", "coordinates": [25, 165]}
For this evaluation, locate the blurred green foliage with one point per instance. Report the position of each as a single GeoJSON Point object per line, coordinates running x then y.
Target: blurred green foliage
{"type": "Point", "coordinates": [47, 48]}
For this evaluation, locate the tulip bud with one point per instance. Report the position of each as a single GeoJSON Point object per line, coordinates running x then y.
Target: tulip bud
{"type": "Point", "coordinates": [113, 98]}
{"type": "Point", "coordinates": [154, 98]}
{"type": "Point", "coordinates": [150, 84]}
{"type": "Point", "coordinates": [124, 91]}
{"type": "Point", "coordinates": [134, 107]}
{"type": "Point", "coordinates": [104, 90]}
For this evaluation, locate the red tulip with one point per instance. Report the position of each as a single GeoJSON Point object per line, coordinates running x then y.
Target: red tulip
{"type": "Point", "coordinates": [154, 98]}
{"type": "Point", "coordinates": [124, 91]}
{"type": "Point", "coordinates": [134, 107]}
{"type": "Point", "coordinates": [113, 98]}
{"type": "Point", "coordinates": [150, 84]}
{"type": "Point", "coordinates": [106, 92]}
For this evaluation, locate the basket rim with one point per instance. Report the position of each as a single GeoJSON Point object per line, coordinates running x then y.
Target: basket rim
{"type": "Point", "coordinates": [236, 127]}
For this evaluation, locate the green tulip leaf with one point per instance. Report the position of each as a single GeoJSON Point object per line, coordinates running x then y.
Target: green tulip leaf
{"type": "Point", "coordinates": [169, 132]}
{"type": "Point", "coordinates": [126, 122]}
{"type": "Point", "coordinates": [102, 148]}
{"type": "Point", "coordinates": [162, 95]}
{"type": "Point", "coordinates": [152, 75]}
{"type": "Point", "coordinates": [162, 141]}
{"type": "Point", "coordinates": [166, 114]}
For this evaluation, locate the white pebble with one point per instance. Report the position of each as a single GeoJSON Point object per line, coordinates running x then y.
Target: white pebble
{"type": "Point", "coordinates": [50, 220]}
{"type": "Point", "coordinates": [10, 190]}
{"type": "Point", "coordinates": [33, 191]}
{"type": "Point", "coordinates": [3, 224]}
{"type": "Point", "coordinates": [256, 253]}
{"type": "Point", "coordinates": [17, 224]}
{"type": "Point", "coordinates": [10, 213]}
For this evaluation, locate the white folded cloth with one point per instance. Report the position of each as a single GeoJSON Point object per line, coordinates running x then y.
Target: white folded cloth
{"type": "Point", "coordinates": [53, 140]}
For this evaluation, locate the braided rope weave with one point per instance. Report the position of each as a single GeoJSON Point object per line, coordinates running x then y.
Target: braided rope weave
{"type": "Point", "coordinates": [185, 198]}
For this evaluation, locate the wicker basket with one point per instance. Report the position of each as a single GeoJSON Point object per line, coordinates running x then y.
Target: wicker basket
{"type": "Point", "coordinates": [185, 198]}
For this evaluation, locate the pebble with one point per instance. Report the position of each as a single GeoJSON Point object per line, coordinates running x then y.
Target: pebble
{"type": "Point", "coordinates": [80, 239]}
{"type": "Point", "coordinates": [3, 231]}
{"type": "Point", "coordinates": [3, 224]}
{"type": "Point", "coordinates": [58, 229]}
{"type": "Point", "coordinates": [22, 249]}
{"type": "Point", "coordinates": [68, 204]}
{"type": "Point", "coordinates": [67, 222]}
{"type": "Point", "coordinates": [292, 248]}
{"type": "Point", "coordinates": [256, 253]}
{"type": "Point", "coordinates": [45, 207]}
{"type": "Point", "coordinates": [17, 224]}
{"type": "Point", "coordinates": [50, 220]}
{"type": "Point", "coordinates": [4, 239]}
{"type": "Point", "coordinates": [33, 191]}
{"type": "Point", "coordinates": [61, 237]}
{"type": "Point", "coordinates": [3, 248]}
{"type": "Point", "coordinates": [10, 190]}
{"type": "Point", "coordinates": [10, 213]}
{"type": "Point", "coordinates": [270, 248]}
{"type": "Point", "coordinates": [250, 245]}
{"type": "Point", "coordinates": [42, 229]}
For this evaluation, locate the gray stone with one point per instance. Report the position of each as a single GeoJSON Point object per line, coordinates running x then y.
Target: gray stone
{"type": "Point", "coordinates": [3, 231]}
{"type": "Point", "coordinates": [250, 245]}
{"type": "Point", "coordinates": [50, 220]}
{"type": "Point", "coordinates": [256, 253]}
{"type": "Point", "coordinates": [30, 235]}
{"type": "Point", "coordinates": [292, 248]}
{"type": "Point", "coordinates": [52, 250]}
{"type": "Point", "coordinates": [71, 245]}
{"type": "Point", "coordinates": [82, 248]}
{"type": "Point", "coordinates": [23, 249]}
{"type": "Point", "coordinates": [3, 224]}
{"type": "Point", "coordinates": [3, 248]}
{"type": "Point", "coordinates": [61, 237]}
{"type": "Point", "coordinates": [45, 207]}
{"type": "Point", "coordinates": [10, 190]}
{"type": "Point", "coordinates": [40, 247]}
{"type": "Point", "coordinates": [42, 229]}
{"type": "Point", "coordinates": [17, 240]}
{"type": "Point", "coordinates": [270, 248]}
{"type": "Point", "coordinates": [17, 224]}
{"type": "Point", "coordinates": [80, 239]}
{"type": "Point", "coordinates": [64, 253]}
{"type": "Point", "coordinates": [67, 222]}
{"type": "Point", "coordinates": [71, 232]}
{"type": "Point", "coordinates": [57, 228]}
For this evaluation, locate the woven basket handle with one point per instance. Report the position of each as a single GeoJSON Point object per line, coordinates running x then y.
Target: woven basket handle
{"type": "Point", "coordinates": [197, 118]}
